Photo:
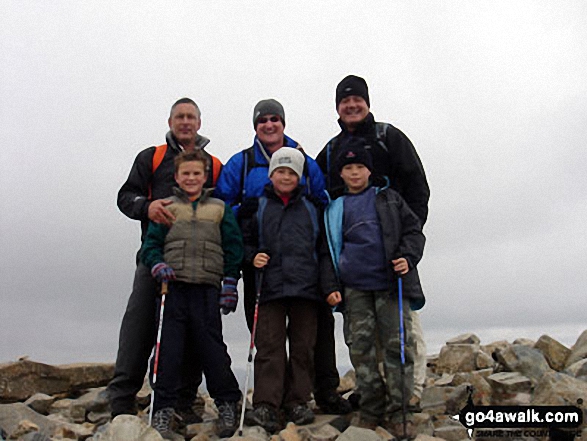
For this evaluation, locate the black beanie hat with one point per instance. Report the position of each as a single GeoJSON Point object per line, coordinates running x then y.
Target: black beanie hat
{"type": "Point", "coordinates": [352, 151]}
{"type": "Point", "coordinates": [352, 85]}
{"type": "Point", "coordinates": [268, 107]}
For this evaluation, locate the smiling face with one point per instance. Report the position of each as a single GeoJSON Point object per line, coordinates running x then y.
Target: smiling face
{"type": "Point", "coordinates": [356, 177]}
{"type": "Point", "coordinates": [184, 123]}
{"type": "Point", "coordinates": [284, 180]}
{"type": "Point", "coordinates": [352, 110]}
{"type": "Point", "coordinates": [270, 131]}
{"type": "Point", "coordinates": [191, 177]}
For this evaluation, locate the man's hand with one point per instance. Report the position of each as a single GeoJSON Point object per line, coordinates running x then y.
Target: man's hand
{"type": "Point", "coordinates": [228, 295]}
{"type": "Point", "coordinates": [162, 272]}
{"type": "Point", "coordinates": [334, 298]}
{"type": "Point", "coordinates": [159, 214]}
{"type": "Point", "coordinates": [260, 260]}
{"type": "Point", "coordinates": [400, 266]}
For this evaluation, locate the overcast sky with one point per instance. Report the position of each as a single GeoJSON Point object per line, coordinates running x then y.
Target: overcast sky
{"type": "Point", "coordinates": [492, 94]}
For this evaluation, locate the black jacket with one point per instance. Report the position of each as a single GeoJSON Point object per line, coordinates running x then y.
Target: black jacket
{"type": "Point", "coordinates": [143, 186]}
{"type": "Point", "coordinates": [293, 236]}
{"type": "Point", "coordinates": [397, 160]}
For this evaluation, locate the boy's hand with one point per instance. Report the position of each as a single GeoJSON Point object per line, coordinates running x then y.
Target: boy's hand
{"type": "Point", "coordinates": [162, 272]}
{"type": "Point", "coordinates": [228, 295]}
{"type": "Point", "coordinates": [334, 298]}
{"type": "Point", "coordinates": [260, 260]}
{"type": "Point", "coordinates": [159, 214]}
{"type": "Point", "coordinates": [400, 266]}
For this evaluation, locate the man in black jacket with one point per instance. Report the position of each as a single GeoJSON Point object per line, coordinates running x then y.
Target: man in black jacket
{"type": "Point", "coordinates": [142, 197]}
{"type": "Point", "coordinates": [395, 163]}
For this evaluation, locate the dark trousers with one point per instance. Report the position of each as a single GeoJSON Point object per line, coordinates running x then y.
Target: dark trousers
{"type": "Point", "coordinates": [326, 377]}
{"type": "Point", "coordinates": [192, 310]}
{"type": "Point", "coordinates": [137, 336]}
{"type": "Point", "coordinates": [279, 380]}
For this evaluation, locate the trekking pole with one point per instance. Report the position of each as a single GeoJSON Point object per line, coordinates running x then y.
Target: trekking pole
{"type": "Point", "coordinates": [251, 349]}
{"type": "Point", "coordinates": [157, 346]}
{"type": "Point", "coordinates": [402, 344]}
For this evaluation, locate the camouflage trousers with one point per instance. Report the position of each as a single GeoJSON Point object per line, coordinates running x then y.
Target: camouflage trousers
{"type": "Point", "coordinates": [373, 320]}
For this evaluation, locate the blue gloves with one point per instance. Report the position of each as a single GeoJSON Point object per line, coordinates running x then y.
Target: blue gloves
{"type": "Point", "coordinates": [228, 295]}
{"type": "Point", "coordinates": [162, 272]}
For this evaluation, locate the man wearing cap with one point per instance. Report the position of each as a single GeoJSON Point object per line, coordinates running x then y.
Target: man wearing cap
{"type": "Point", "coordinates": [395, 163]}
{"type": "Point", "coordinates": [245, 176]}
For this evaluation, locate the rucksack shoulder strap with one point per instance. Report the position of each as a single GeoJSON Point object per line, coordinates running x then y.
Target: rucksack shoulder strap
{"type": "Point", "coordinates": [158, 156]}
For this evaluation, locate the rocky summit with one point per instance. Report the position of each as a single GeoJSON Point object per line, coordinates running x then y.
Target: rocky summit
{"type": "Point", "coordinates": [40, 402]}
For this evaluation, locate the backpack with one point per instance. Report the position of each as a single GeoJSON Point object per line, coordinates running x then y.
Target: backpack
{"type": "Point", "coordinates": [249, 163]}
{"type": "Point", "coordinates": [159, 154]}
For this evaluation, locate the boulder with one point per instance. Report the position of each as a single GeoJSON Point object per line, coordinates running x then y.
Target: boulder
{"type": "Point", "coordinates": [358, 434]}
{"type": "Point", "coordinates": [556, 353]}
{"type": "Point", "coordinates": [451, 433]}
{"type": "Point", "coordinates": [559, 389]}
{"type": "Point", "coordinates": [11, 416]}
{"type": "Point", "coordinates": [127, 428]}
{"type": "Point", "coordinates": [579, 349]}
{"type": "Point", "coordinates": [527, 361]}
{"type": "Point", "coordinates": [578, 369]}
{"type": "Point", "coordinates": [40, 403]}
{"type": "Point", "coordinates": [464, 339]}
{"type": "Point", "coordinates": [457, 358]}
{"type": "Point", "coordinates": [22, 379]}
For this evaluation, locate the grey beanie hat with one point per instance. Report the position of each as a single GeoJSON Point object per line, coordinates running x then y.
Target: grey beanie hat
{"type": "Point", "coordinates": [288, 157]}
{"type": "Point", "coordinates": [268, 107]}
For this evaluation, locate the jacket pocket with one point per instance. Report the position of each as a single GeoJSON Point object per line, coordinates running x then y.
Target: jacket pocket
{"type": "Point", "coordinates": [174, 254]}
{"type": "Point", "coordinates": [213, 258]}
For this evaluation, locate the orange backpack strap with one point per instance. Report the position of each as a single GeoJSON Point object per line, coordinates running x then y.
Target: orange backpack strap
{"type": "Point", "coordinates": [158, 156]}
{"type": "Point", "coordinates": [157, 159]}
{"type": "Point", "coordinates": [216, 167]}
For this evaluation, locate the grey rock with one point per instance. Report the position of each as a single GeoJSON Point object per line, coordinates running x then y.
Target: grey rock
{"type": "Point", "coordinates": [524, 342]}
{"type": "Point", "coordinates": [451, 433]}
{"type": "Point", "coordinates": [464, 339]}
{"type": "Point", "coordinates": [22, 379]}
{"type": "Point", "coordinates": [509, 383]}
{"type": "Point", "coordinates": [579, 349]}
{"type": "Point", "coordinates": [457, 358]}
{"type": "Point", "coordinates": [358, 434]}
{"type": "Point", "coordinates": [40, 403]}
{"type": "Point", "coordinates": [484, 360]}
{"type": "Point", "coordinates": [457, 399]}
{"type": "Point", "coordinates": [434, 399]}
{"type": "Point", "coordinates": [527, 361]}
{"type": "Point", "coordinates": [12, 414]}
{"type": "Point", "coordinates": [324, 432]}
{"type": "Point", "coordinates": [559, 389]}
{"type": "Point", "coordinates": [556, 353]}
{"type": "Point", "coordinates": [127, 428]}
{"type": "Point", "coordinates": [577, 369]}
{"type": "Point", "coordinates": [423, 423]}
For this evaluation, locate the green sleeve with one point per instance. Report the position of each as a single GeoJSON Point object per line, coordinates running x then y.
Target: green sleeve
{"type": "Point", "coordinates": [152, 249]}
{"type": "Point", "coordinates": [232, 244]}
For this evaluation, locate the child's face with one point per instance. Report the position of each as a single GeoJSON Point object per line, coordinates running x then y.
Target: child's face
{"type": "Point", "coordinates": [190, 177]}
{"type": "Point", "coordinates": [284, 180]}
{"type": "Point", "coordinates": [356, 177]}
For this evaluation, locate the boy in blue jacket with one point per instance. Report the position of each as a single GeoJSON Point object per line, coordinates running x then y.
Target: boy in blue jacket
{"type": "Point", "coordinates": [200, 256]}
{"type": "Point", "coordinates": [374, 238]}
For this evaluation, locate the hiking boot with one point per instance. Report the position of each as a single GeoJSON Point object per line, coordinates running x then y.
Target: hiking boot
{"type": "Point", "coordinates": [163, 422]}
{"type": "Point", "coordinates": [188, 416]}
{"type": "Point", "coordinates": [123, 407]}
{"type": "Point", "coordinates": [355, 400]}
{"type": "Point", "coordinates": [332, 403]}
{"type": "Point", "coordinates": [227, 423]}
{"type": "Point", "coordinates": [300, 415]}
{"type": "Point", "coordinates": [264, 416]}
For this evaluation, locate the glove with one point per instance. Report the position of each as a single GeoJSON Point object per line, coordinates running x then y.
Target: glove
{"type": "Point", "coordinates": [228, 295]}
{"type": "Point", "coordinates": [162, 272]}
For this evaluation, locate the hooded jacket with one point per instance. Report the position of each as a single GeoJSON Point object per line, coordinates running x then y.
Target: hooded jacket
{"type": "Point", "coordinates": [233, 188]}
{"type": "Point", "coordinates": [402, 237]}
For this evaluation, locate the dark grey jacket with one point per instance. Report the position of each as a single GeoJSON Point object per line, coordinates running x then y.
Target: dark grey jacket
{"type": "Point", "coordinates": [293, 236]}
